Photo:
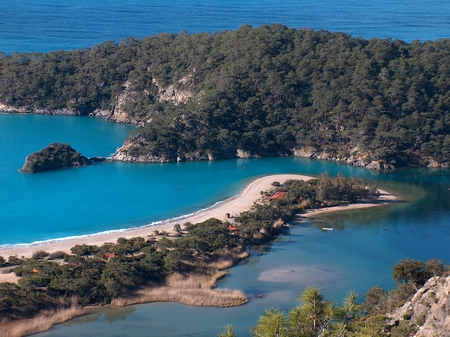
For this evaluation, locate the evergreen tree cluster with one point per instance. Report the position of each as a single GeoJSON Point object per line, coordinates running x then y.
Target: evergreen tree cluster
{"type": "Point", "coordinates": [266, 90]}
{"type": "Point", "coordinates": [56, 155]}
{"type": "Point", "coordinates": [95, 275]}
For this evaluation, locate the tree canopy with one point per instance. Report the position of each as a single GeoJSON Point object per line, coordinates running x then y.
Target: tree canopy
{"type": "Point", "coordinates": [266, 91]}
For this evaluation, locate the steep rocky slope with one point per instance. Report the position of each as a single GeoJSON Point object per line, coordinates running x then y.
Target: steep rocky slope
{"type": "Point", "coordinates": [429, 309]}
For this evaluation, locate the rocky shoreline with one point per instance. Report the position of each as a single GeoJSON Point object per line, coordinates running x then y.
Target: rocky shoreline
{"type": "Point", "coordinates": [355, 158]}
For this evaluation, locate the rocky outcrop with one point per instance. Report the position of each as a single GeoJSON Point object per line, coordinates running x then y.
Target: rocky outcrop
{"type": "Point", "coordinates": [245, 154]}
{"type": "Point", "coordinates": [40, 111]}
{"type": "Point", "coordinates": [129, 152]}
{"type": "Point", "coordinates": [54, 156]}
{"type": "Point", "coordinates": [354, 157]}
{"type": "Point", "coordinates": [118, 112]}
{"type": "Point", "coordinates": [178, 93]}
{"type": "Point", "coordinates": [429, 309]}
{"type": "Point", "coordinates": [430, 162]}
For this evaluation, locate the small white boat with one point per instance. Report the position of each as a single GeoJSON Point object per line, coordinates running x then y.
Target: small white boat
{"type": "Point", "coordinates": [327, 228]}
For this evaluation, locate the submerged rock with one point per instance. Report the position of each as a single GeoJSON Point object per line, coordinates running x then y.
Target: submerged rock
{"type": "Point", "coordinates": [97, 159]}
{"type": "Point", "coordinates": [54, 156]}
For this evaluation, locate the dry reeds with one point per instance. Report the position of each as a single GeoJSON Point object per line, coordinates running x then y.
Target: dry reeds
{"type": "Point", "coordinates": [195, 290]}
{"type": "Point", "coordinates": [42, 322]}
{"type": "Point", "coordinates": [229, 260]}
{"type": "Point", "coordinates": [207, 281]}
{"type": "Point", "coordinates": [195, 297]}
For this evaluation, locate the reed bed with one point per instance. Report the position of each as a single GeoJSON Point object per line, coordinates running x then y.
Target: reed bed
{"type": "Point", "coordinates": [229, 259]}
{"type": "Point", "coordinates": [195, 297]}
{"type": "Point", "coordinates": [207, 281]}
{"type": "Point", "coordinates": [195, 290]}
{"type": "Point", "coordinates": [42, 322]}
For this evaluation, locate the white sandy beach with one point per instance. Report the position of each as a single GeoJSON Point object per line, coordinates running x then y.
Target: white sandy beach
{"type": "Point", "coordinates": [235, 205]}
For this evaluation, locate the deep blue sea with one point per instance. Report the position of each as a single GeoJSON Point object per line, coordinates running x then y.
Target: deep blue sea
{"type": "Point", "coordinates": [358, 254]}
{"type": "Point", "coordinates": [46, 25]}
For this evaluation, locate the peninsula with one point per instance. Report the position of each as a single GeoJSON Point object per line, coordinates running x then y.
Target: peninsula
{"type": "Point", "coordinates": [169, 262]}
{"type": "Point", "coordinates": [234, 206]}
{"type": "Point", "coordinates": [249, 93]}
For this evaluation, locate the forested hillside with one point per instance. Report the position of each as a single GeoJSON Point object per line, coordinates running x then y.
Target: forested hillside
{"type": "Point", "coordinates": [266, 91]}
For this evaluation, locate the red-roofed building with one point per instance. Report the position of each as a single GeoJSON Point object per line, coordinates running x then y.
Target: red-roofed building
{"type": "Point", "coordinates": [108, 256]}
{"type": "Point", "coordinates": [278, 195]}
{"type": "Point", "coordinates": [233, 228]}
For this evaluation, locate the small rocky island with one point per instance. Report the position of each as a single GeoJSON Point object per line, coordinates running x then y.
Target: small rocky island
{"type": "Point", "coordinates": [54, 156]}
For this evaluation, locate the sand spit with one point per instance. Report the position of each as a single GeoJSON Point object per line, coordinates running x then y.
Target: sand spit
{"type": "Point", "coordinates": [234, 205]}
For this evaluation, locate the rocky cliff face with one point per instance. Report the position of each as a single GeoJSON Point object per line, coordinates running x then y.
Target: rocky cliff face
{"type": "Point", "coordinates": [429, 309]}
{"type": "Point", "coordinates": [131, 152]}
{"type": "Point", "coordinates": [355, 158]}
{"type": "Point", "coordinates": [118, 113]}
{"type": "Point", "coordinates": [127, 153]}
{"type": "Point", "coordinates": [40, 111]}
{"type": "Point", "coordinates": [54, 156]}
{"type": "Point", "coordinates": [358, 158]}
{"type": "Point", "coordinates": [178, 93]}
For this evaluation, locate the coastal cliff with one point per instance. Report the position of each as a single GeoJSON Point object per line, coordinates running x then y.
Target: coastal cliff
{"type": "Point", "coordinates": [54, 156]}
{"type": "Point", "coordinates": [428, 312]}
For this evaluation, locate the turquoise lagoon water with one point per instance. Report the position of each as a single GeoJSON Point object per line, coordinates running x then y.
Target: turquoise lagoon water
{"type": "Point", "coordinates": [357, 255]}
{"type": "Point", "coordinates": [111, 196]}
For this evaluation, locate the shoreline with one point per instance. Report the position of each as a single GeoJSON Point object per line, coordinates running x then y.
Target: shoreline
{"type": "Point", "coordinates": [234, 205]}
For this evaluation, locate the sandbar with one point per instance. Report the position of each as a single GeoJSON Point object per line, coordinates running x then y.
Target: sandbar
{"type": "Point", "coordinates": [234, 205]}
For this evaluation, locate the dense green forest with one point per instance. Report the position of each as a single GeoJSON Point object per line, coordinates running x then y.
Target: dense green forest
{"type": "Point", "coordinates": [265, 91]}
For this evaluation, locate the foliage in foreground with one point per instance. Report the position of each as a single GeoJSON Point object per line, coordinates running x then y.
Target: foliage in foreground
{"type": "Point", "coordinates": [316, 316]}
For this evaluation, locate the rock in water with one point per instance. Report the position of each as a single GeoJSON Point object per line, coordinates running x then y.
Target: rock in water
{"type": "Point", "coordinates": [54, 156]}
